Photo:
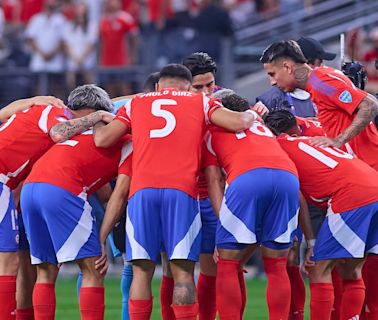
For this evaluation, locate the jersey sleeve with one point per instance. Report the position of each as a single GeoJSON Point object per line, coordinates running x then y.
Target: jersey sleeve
{"type": "Point", "coordinates": [125, 163]}
{"type": "Point", "coordinates": [126, 166]}
{"type": "Point", "coordinates": [337, 89]}
{"type": "Point", "coordinates": [124, 113]}
{"type": "Point", "coordinates": [210, 105]}
{"type": "Point", "coordinates": [53, 115]}
{"type": "Point", "coordinates": [208, 157]}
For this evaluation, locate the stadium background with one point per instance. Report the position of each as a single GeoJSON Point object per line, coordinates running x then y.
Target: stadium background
{"type": "Point", "coordinates": [236, 45]}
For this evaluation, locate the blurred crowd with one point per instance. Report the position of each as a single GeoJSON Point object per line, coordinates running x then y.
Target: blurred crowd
{"type": "Point", "coordinates": [75, 37]}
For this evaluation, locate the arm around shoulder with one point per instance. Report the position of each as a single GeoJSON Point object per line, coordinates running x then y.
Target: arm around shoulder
{"type": "Point", "coordinates": [233, 121]}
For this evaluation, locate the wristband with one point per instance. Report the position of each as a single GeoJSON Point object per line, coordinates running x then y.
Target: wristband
{"type": "Point", "coordinates": [311, 243]}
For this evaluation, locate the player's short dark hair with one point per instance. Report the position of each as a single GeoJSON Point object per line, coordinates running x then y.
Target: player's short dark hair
{"type": "Point", "coordinates": [89, 96]}
{"type": "Point", "coordinates": [177, 71]}
{"type": "Point", "coordinates": [151, 81]}
{"type": "Point", "coordinates": [283, 50]}
{"type": "Point", "coordinates": [280, 120]}
{"type": "Point", "coordinates": [235, 102]}
{"type": "Point", "coordinates": [200, 63]}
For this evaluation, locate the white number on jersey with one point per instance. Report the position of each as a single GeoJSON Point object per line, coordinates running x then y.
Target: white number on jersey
{"type": "Point", "coordinates": [328, 161]}
{"type": "Point", "coordinates": [168, 117]}
{"type": "Point", "coordinates": [256, 128]}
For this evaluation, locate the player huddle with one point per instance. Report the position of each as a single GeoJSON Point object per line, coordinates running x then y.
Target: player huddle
{"type": "Point", "coordinates": [173, 150]}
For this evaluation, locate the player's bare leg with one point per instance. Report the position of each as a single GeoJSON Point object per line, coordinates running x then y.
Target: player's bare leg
{"type": "Point", "coordinates": [230, 281]}
{"type": "Point", "coordinates": [44, 301]}
{"type": "Point", "coordinates": [298, 289]}
{"type": "Point", "coordinates": [92, 298]}
{"type": "Point", "coordinates": [184, 293]}
{"type": "Point", "coordinates": [26, 277]}
{"type": "Point", "coordinates": [140, 303]}
{"type": "Point", "coordinates": [8, 272]}
{"type": "Point", "coordinates": [166, 289]}
{"type": "Point", "coordinates": [278, 291]}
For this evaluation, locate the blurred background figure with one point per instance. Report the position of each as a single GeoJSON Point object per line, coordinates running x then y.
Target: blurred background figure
{"type": "Point", "coordinates": [369, 60]}
{"type": "Point", "coordinates": [44, 34]}
{"type": "Point", "coordinates": [119, 36]}
{"type": "Point", "coordinates": [80, 40]}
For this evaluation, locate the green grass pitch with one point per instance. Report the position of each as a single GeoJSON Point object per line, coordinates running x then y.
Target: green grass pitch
{"type": "Point", "coordinates": [67, 304]}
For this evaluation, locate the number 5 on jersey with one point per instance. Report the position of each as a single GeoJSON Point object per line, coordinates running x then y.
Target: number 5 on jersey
{"type": "Point", "coordinates": [168, 117]}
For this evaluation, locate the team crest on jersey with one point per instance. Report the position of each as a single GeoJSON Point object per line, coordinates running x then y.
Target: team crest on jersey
{"type": "Point", "coordinates": [345, 96]}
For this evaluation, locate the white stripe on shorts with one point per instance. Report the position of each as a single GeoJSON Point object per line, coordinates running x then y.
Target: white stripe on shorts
{"type": "Point", "coordinates": [235, 226]}
{"type": "Point", "coordinates": [291, 226]}
{"type": "Point", "coordinates": [346, 236]}
{"type": "Point", "coordinates": [4, 201]}
{"type": "Point", "coordinates": [78, 237]}
{"type": "Point", "coordinates": [35, 260]}
{"type": "Point", "coordinates": [137, 251]}
{"type": "Point", "coordinates": [182, 249]}
{"type": "Point", "coordinates": [373, 250]}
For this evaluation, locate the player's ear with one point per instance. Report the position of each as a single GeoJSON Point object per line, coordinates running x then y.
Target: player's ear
{"type": "Point", "coordinates": [288, 66]}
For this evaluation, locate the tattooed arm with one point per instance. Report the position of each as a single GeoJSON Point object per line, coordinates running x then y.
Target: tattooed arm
{"type": "Point", "coordinates": [367, 111]}
{"type": "Point", "coordinates": [66, 130]}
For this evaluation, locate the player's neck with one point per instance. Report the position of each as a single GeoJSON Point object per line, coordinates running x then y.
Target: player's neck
{"type": "Point", "coordinates": [82, 112]}
{"type": "Point", "coordinates": [301, 74]}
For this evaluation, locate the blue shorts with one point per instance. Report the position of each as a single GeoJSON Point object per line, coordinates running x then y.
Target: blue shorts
{"type": "Point", "coordinates": [298, 234]}
{"type": "Point", "coordinates": [209, 226]}
{"type": "Point", "coordinates": [9, 236]}
{"type": "Point", "coordinates": [23, 243]}
{"type": "Point", "coordinates": [167, 218]}
{"type": "Point", "coordinates": [59, 225]}
{"type": "Point", "coordinates": [349, 234]}
{"type": "Point", "coordinates": [259, 206]}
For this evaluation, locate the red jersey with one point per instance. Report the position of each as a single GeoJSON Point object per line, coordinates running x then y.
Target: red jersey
{"type": "Point", "coordinates": [167, 128]}
{"type": "Point", "coordinates": [78, 166]}
{"type": "Point", "coordinates": [155, 11]}
{"type": "Point", "coordinates": [337, 99]}
{"type": "Point", "coordinates": [240, 152]}
{"type": "Point", "coordinates": [24, 138]}
{"type": "Point", "coordinates": [310, 127]}
{"type": "Point", "coordinates": [371, 56]}
{"type": "Point", "coordinates": [207, 160]}
{"type": "Point", "coordinates": [330, 173]}
{"type": "Point", "coordinates": [126, 165]}
{"type": "Point", "coordinates": [113, 32]}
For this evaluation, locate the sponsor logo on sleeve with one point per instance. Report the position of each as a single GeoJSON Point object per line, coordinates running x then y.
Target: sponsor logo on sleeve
{"type": "Point", "coordinates": [345, 96]}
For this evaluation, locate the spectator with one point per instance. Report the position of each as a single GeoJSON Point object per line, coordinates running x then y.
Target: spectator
{"type": "Point", "coordinates": [2, 45]}
{"type": "Point", "coordinates": [44, 34]}
{"type": "Point", "coordinates": [369, 58]}
{"type": "Point", "coordinates": [211, 25]}
{"type": "Point", "coordinates": [118, 40]}
{"type": "Point", "coordinates": [80, 39]}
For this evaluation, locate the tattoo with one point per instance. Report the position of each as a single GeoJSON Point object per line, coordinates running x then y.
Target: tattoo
{"type": "Point", "coordinates": [367, 111]}
{"type": "Point", "coordinates": [301, 76]}
{"type": "Point", "coordinates": [184, 293]}
{"type": "Point", "coordinates": [66, 130]}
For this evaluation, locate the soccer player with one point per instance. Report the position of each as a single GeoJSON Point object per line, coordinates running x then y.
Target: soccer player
{"type": "Point", "coordinates": [168, 128]}
{"type": "Point", "coordinates": [23, 139]}
{"type": "Point", "coordinates": [259, 207]}
{"type": "Point", "coordinates": [345, 112]}
{"type": "Point", "coordinates": [203, 70]}
{"type": "Point", "coordinates": [58, 218]}
{"type": "Point", "coordinates": [349, 232]}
